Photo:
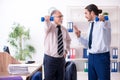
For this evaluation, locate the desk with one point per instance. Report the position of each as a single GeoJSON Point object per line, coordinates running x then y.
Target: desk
{"type": "Point", "coordinates": [7, 76]}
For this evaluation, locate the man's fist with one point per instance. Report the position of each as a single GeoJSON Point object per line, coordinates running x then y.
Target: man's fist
{"type": "Point", "coordinates": [77, 31]}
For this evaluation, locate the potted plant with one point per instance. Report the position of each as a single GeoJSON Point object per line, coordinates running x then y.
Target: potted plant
{"type": "Point", "coordinates": [18, 38]}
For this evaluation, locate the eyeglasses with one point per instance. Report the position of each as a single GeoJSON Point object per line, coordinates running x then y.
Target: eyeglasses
{"type": "Point", "coordinates": [59, 16]}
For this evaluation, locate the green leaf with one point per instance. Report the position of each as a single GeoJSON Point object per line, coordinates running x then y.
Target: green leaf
{"type": "Point", "coordinates": [105, 13]}
{"type": "Point", "coordinates": [17, 37]}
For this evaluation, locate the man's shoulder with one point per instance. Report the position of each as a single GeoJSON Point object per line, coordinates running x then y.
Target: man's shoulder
{"type": "Point", "coordinates": [64, 28]}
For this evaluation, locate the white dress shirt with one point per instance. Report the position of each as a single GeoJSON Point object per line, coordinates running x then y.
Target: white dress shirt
{"type": "Point", "coordinates": [50, 41]}
{"type": "Point", "coordinates": [101, 37]}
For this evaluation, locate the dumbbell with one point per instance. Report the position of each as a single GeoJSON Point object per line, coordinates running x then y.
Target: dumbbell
{"type": "Point", "coordinates": [43, 19]}
{"type": "Point", "coordinates": [105, 18]}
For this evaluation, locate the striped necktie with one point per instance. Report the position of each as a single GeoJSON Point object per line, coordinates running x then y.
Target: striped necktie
{"type": "Point", "coordinates": [60, 41]}
{"type": "Point", "coordinates": [90, 35]}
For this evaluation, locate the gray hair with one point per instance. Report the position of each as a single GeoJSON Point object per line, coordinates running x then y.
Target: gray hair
{"type": "Point", "coordinates": [53, 12]}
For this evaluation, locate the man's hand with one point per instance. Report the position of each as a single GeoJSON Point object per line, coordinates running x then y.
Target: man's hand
{"type": "Point", "coordinates": [47, 18]}
{"type": "Point", "coordinates": [65, 54]}
{"type": "Point", "coordinates": [101, 17]}
{"type": "Point", "coordinates": [77, 31]}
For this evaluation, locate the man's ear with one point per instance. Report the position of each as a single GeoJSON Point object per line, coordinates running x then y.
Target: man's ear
{"type": "Point", "coordinates": [92, 13]}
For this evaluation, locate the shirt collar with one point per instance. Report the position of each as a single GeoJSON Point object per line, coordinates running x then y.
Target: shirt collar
{"type": "Point", "coordinates": [93, 21]}
{"type": "Point", "coordinates": [56, 25]}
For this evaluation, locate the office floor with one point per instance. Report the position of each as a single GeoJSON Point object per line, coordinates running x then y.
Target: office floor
{"type": "Point", "coordinates": [84, 76]}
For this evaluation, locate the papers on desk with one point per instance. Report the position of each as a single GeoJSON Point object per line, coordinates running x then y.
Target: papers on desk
{"type": "Point", "coordinates": [21, 68]}
{"type": "Point", "coordinates": [17, 69]}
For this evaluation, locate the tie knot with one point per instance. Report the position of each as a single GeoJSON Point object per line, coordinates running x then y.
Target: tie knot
{"type": "Point", "coordinates": [58, 26]}
{"type": "Point", "coordinates": [92, 22]}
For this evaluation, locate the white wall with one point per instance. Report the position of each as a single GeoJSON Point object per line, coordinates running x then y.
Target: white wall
{"type": "Point", "coordinates": [29, 12]}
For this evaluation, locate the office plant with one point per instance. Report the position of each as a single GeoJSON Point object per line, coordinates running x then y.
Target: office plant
{"type": "Point", "coordinates": [18, 38]}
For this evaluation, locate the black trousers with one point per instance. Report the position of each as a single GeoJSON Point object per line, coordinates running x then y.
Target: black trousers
{"type": "Point", "coordinates": [54, 68]}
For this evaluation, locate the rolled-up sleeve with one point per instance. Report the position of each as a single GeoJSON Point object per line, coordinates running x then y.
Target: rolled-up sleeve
{"type": "Point", "coordinates": [47, 26]}
{"type": "Point", "coordinates": [106, 24]}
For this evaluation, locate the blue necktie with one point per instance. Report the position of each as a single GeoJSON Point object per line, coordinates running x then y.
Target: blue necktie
{"type": "Point", "coordinates": [60, 41]}
{"type": "Point", "coordinates": [90, 35]}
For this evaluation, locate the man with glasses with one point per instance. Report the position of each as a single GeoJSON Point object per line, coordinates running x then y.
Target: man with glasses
{"type": "Point", "coordinates": [56, 44]}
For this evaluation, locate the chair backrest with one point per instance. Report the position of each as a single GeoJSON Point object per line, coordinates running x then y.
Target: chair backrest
{"type": "Point", "coordinates": [5, 60]}
{"type": "Point", "coordinates": [36, 70]}
{"type": "Point", "coordinates": [70, 71]}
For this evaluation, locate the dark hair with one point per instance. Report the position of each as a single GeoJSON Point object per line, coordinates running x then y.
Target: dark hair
{"type": "Point", "coordinates": [94, 8]}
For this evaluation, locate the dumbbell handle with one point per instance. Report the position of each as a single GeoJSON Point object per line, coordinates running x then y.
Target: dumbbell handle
{"type": "Point", "coordinates": [43, 19]}
{"type": "Point", "coordinates": [105, 18]}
